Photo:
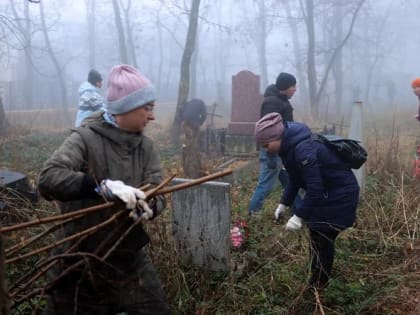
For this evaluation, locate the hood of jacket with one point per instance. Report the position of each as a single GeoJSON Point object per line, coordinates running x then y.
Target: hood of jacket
{"type": "Point", "coordinates": [124, 139]}
{"type": "Point", "coordinates": [294, 132]}
{"type": "Point", "coordinates": [272, 90]}
{"type": "Point", "coordinates": [86, 86]}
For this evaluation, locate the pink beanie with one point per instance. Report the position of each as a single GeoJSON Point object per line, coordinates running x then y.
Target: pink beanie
{"type": "Point", "coordinates": [269, 128]}
{"type": "Point", "coordinates": [127, 89]}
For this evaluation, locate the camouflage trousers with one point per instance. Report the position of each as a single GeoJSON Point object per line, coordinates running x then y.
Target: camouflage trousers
{"type": "Point", "coordinates": [140, 293]}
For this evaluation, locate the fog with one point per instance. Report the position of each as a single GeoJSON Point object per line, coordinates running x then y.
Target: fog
{"type": "Point", "coordinates": [362, 50]}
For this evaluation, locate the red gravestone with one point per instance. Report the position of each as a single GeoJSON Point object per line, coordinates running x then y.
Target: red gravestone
{"type": "Point", "coordinates": [246, 103]}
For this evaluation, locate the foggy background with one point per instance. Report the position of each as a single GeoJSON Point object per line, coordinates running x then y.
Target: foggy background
{"type": "Point", "coordinates": [362, 50]}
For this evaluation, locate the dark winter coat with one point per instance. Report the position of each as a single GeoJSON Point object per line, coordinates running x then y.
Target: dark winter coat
{"type": "Point", "coordinates": [194, 112]}
{"type": "Point", "coordinates": [91, 153]}
{"type": "Point", "coordinates": [276, 103]}
{"type": "Point", "coordinates": [331, 189]}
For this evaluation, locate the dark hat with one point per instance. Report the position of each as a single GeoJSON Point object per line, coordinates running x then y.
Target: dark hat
{"type": "Point", "coordinates": [285, 80]}
{"type": "Point", "coordinates": [94, 77]}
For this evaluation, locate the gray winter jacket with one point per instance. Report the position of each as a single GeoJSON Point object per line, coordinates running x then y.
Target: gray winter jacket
{"type": "Point", "coordinates": [93, 152]}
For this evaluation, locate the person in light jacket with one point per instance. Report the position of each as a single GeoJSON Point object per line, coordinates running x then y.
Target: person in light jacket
{"type": "Point", "coordinates": [90, 99]}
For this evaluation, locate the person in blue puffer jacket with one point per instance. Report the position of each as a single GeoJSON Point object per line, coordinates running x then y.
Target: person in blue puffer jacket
{"type": "Point", "coordinates": [331, 189]}
{"type": "Point", "coordinates": [90, 99]}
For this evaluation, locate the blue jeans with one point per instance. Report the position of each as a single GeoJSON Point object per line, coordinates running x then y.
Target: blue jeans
{"type": "Point", "coordinates": [271, 169]}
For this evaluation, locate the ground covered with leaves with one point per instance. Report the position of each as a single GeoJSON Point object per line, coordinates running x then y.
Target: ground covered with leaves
{"type": "Point", "coordinates": [376, 269]}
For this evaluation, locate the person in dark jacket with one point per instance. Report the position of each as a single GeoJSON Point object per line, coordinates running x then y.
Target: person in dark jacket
{"type": "Point", "coordinates": [331, 189]}
{"type": "Point", "coordinates": [276, 100]}
{"type": "Point", "coordinates": [193, 116]}
{"type": "Point", "coordinates": [194, 113]}
{"type": "Point", "coordinates": [108, 157]}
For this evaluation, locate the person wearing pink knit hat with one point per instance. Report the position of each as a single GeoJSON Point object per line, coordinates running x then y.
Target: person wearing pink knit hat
{"type": "Point", "coordinates": [106, 159]}
{"type": "Point", "coordinates": [415, 84]}
{"type": "Point", "coordinates": [331, 189]}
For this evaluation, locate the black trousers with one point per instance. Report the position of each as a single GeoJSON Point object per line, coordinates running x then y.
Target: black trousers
{"type": "Point", "coordinates": [140, 293]}
{"type": "Point", "coordinates": [322, 250]}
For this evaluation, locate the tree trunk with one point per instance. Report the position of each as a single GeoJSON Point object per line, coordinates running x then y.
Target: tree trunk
{"type": "Point", "coordinates": [312, 83]}
{"type": "Point", "coordinates": [315, 93]}
{"type": "Point", "coordinates": [90, 15]}
{"type": "Point", "coordinates": [261, 42]}
{"type": "Point", "coordinates": [25, 30]}
{"type": "Point", "coordinates": [3, 120]}
{"type": "Point", "coordinates": [193, 81]}
{"type": "Point", "coordinates": [158, 82]}
{"type": "Point", "coordinates": [129, 28]}
{"type": "Point", "coordinates": [120, 32]}
{"type": "Point", "coordinates": [191, 158]}
{"type": "Point", "coordinates": [184, 82]}
{"type": "Point", "coordinates": [300, 71]}
{"type": "Point", "coordinates": [58, 69]}
{"type": "Point", "coordinates": [338, 64]}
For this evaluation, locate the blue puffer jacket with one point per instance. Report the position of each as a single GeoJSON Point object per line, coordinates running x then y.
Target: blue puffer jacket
{"type": "Point", "coordinates": [332, 191]}
{"type": "Point", "coordinates": [90, 101]}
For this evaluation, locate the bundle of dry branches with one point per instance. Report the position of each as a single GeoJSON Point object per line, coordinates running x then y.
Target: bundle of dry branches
{"type": "Point", "coordinates": [24, 288]}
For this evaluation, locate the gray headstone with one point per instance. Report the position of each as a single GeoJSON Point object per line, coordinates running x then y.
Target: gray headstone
{"type": "Point", "coordinates": [201, 223]}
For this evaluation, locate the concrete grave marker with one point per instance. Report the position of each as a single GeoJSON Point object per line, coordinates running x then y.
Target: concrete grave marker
{"type": "Point", "coordinates": [201, 223]}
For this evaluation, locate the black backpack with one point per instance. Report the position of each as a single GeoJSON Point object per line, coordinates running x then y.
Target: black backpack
{"type": "Point", "coordinates": [349, 150]}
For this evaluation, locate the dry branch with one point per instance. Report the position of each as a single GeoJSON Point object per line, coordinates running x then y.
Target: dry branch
{"type": "Point", "coordinates": [111, 204]}
{"type": "Point", "coordinates": [88, 231]}
{"type": "Point", "coordinates": [46, 264]}
{"type": "Point", "coordinates": [193, 182]}
{"type": "Point", "coordinates": [25, 243]}
{"type": "Point", "coordinates": [56, 217]}
{"type": "Point", "coordinates": [43, 266]}
{"type": "Point", "coordinates": [153, 191]}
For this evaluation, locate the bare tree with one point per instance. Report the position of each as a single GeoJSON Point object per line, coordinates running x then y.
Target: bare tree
{"type": "Point", "coordinates": [90, 16]}
{"type": "Point", "coordinates": [120, 32]}
{"type": "Point", "coordinates": [184, 82]}
{"type": "Point", "coordinates": [25, 30]}
{"type": "Point", "coordinates": [260, 40]}
{"type": "Point", "coordinates": [129, 28]}
{"type": "Point", "coordinates": [316, 91]}
{"type": "Point", "coordinates": [54, 59]}
{"type": "Point", "coordinates": [337, 71]}
{"type": "Point", "coordinates": [256, 28]}
{"type": "Point", "coordinates": [7, 27]}
{"type": "Point", "coordinates": [297, 51]}
{"type": "Point", "coordinates": [158, 81]}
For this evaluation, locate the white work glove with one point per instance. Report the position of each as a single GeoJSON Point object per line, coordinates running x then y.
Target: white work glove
{"type": "Point", "coordinates": [128, 194]}
{"type": "Point", "coordinates": [279, 211]}
{"type": "Point", "coordinates": [294, 223]}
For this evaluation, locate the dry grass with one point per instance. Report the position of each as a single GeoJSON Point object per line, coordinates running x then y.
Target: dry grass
{"type": "Point", "coordinates": [377, 264]}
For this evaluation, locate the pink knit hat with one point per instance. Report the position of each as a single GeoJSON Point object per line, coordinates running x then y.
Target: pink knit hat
{"type": "Point", "coordinates": [269, 128]}
{"type": "Point", "coordinates": [127, 89]}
